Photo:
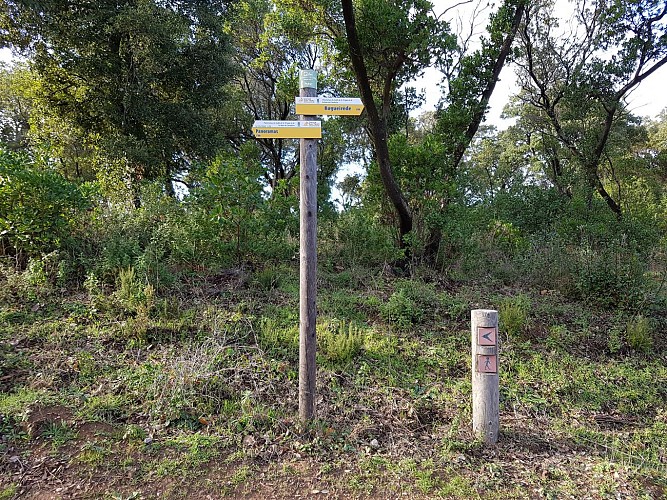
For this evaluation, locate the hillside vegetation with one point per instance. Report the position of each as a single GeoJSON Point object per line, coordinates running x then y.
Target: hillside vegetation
{"type": "Point", "coordinates": [129, 369]}
{"type": "Point", "coordinates": [149, 249]}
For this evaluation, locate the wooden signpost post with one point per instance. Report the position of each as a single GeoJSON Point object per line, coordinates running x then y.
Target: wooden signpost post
{"type": "Point", "coordinates": [485, 388]}
{"type": "Point", "coordinates": [308, 130]}
{"type": "Point", "coordinates": [308, 262]}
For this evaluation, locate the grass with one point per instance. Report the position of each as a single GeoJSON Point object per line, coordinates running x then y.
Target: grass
{"type": "Point", "coordinates": [202, 394]}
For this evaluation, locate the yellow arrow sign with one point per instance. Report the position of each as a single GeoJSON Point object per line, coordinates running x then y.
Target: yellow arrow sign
{"type": "Point", "coordinates": [283, 129]}
{"type": "Point", "coordinates": [328, 106]}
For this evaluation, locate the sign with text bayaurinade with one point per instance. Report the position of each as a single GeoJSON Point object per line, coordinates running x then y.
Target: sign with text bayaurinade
{"type": "Point", "coordinates": [286, 129]}
{"type": "Point", "coordinates": [350, 106]}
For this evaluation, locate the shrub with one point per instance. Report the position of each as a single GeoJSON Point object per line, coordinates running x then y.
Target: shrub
{"type": "Point", "coordinates": [513, 314]}
{"type": "Point", "coordinates": [37, 207]}
{"type": "Point", "coordinates": [612, 278]}
{"type": "Point", "coordinates": [190, 385]}
{"type": "Point", "coordinates": [408, 305]}
{"type": "Point", "coordinates": [356, 238]}
{"type": "Point", "coordinates": [275, 336]}
{"type": "Point", "coordinates": [638, 334]}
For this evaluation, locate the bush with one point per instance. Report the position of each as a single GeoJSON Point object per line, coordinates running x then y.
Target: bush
{"type": "Point", "coordinates": [37, 207]}
{"type": "Point", "coordinates": [611, 279]}
{"type": "Point", "coordinates": [638, 334]}
{"type": "Point", "coordinates": [409, 304]}
{"type": "Point", "coordinates": [275, 336]}
{"type": "Point", "coordinates": [513, 314]}
{"type": "Point", "coordinates": [356, 238]}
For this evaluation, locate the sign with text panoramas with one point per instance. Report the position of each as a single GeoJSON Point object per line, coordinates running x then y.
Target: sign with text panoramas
{"type": "Point", "coordinates": [351, 106]}
{"type": "Point", "coordinates": [285, 129]}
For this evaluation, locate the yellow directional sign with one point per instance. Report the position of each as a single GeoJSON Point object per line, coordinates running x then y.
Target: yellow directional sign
{"type": "Point", "coordinates": [283, 129]}
{"type": "Point", "coordinates": [328, 106]}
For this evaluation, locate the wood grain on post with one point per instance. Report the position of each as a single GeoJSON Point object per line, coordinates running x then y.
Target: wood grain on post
{"type": "Point", "coordinates": [485, 384]}
{"type": "Point", "coordinates": [308, 269]}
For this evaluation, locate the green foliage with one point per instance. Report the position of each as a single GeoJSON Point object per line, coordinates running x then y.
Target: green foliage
{"type": "Point", "coordinates": [59, 433]}
{"type": "Point", "coordinates": [409, 305]}
{"type": "Point", "coordinates": [190, 385]}
{"type": "Point", "coordinates": [639, 334]}
{"type": "Point", "coordinates": [106, 407]}
{"type": "Point", "coordinates": [268, 278]}
{"type": "Point", "coordinates": [340, 341]}
{"type": "Point", "coordinates": [133, 295]}
{"type": "Point", "coordinates": [513, 314]}
{"type": "Point", "coordinates": [226, 203]}
{"type": "Point", "coordinates": [355, 238]}
{"type": "Point", "coordinates": [610, 279]}
{"type": "Point", "coordinates": [14, 107]}
{"type": "Point", "coordinates": [38, 207]}
{"type": "Point", "coordinates": [15, 405]}
{"type": "Point", "coordinates": [275, 336]}
{"type": "Point", "coordinates": [146, 77]}
{"type": "Point", "coordinates": [9, 492]}
{"type": "Point", "coordinates": [614, 341]}
{"type": "Point", "coordinates": [402, 310]}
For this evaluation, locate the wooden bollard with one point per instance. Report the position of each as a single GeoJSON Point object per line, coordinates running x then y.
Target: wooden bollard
{"type": "Point", "coordinates": [485, 388]}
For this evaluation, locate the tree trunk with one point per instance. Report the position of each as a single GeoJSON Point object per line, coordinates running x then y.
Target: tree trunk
{"type": "Point", "coordinates": [377, 124]}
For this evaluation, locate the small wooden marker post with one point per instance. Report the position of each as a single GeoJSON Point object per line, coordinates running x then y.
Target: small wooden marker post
{"type": "Point", "coordinates": [308, 258]}
{"type": "Point", "coordinates": [485, 387]}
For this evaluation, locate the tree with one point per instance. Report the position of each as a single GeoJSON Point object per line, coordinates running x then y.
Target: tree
{"type": "Point", "coordinates": [388, 45]}
{"type": "Point", "coordinates": [267, 84]}
{"type": "Point", "coordinates": [14, 108]}
{"type": "Point", "coordinates": [271, 46]}
{"type": "Point", "coordinates": [497, 162]}
{"type": "Point", "coordinates": [577, 82]}
{"type": "Point", "coordinates": [470, 83]}
{"type": "Point", "coordinates": [147, 77]}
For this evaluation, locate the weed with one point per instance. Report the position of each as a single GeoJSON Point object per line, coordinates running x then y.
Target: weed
{"type": "Point", "coordinates": [134, 296]}
{"type": "Point", "coordinates": [200, 448]}
{"type": "Point", "coordinates": [59, 433]}
{"type": "Point", "coordinates": [134, 433]}
{"type": "Point", "coordinates": [267, 278]}
{"type": "Point", "coordinates": [513, 314]}
{"type": "Point", "coordinates": [638, 334]}
{"type": "Point", "coordinates": [424, 475]}
{"type": "Point", "coordinates": [189, 385]}
{"type": "Point", "coordinates": [614, 340]}
{"type": "Point", "coordinates": [241, 475]}
{"type": "Point", "coordinates": [16, 404]}
{"type": "Point", "coordinates": [559, 336]}
{"type": "Point", "coordinates": [454, 307]}
{"type": "Point", "coordinates": [342, 304]}
{"type": "Point", "coordinates": [458, 486]}
{"type": "Point", "coordinates": [93, 454]}
{"type": "Point", "coordinates": [107, 407]}
{"type": "Point", "coordinates": [275, 336]}
{"type": "Point", "coordinates": [401, 310]}
{"type": "Point", "coordinates": [9, 492]}
{"type": "Point", "coordinates": [340, 341]}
